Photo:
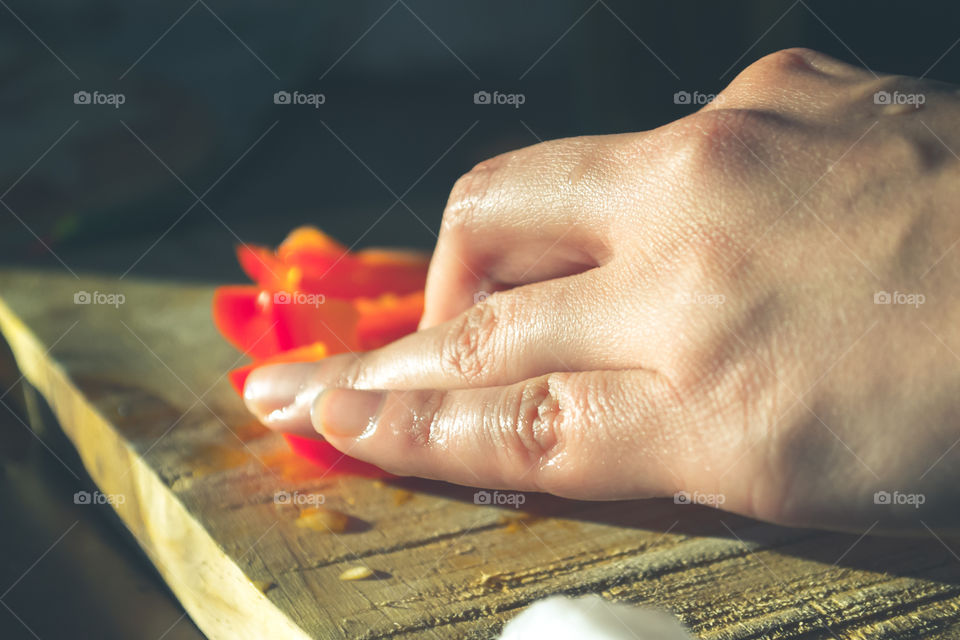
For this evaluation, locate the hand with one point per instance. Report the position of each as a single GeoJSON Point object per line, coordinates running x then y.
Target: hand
{"type": "Point", "coordinates": [755, 304]}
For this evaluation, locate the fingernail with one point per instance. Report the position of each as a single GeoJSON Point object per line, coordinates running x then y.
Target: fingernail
{"type": "Point", "coordinates": [273, 387]}
{"type": "Point", "coordinates": [346, 413]}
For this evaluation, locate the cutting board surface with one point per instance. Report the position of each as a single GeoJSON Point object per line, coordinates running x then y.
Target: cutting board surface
{"type": "Point", "coordinates": [140, 389]}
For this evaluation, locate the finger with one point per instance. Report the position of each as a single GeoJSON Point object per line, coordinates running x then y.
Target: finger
{"type": "Point", "coordinates": [589, 435]}
{"type": "Point", "coordinates": [526, 216]}
{"type": "Point", "coordinates": [511, 336]}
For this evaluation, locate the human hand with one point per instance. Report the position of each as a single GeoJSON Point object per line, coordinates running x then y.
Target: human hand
{"type": "Point", "coordinates": [699, 308]}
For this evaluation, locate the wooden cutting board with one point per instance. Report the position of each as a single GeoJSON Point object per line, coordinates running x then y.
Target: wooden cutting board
{"type": "Point", "coordinates": [140, 390]}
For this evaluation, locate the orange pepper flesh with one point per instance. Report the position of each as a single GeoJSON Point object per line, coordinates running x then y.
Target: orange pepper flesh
{"type": "Point", "coordinates": [313, 298]}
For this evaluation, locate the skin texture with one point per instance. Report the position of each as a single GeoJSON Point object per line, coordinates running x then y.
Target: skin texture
{"type": "Point", "coordinates": [688, 309]}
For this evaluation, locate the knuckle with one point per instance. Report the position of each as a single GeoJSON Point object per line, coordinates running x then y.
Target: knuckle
{"type": "Point", "coordinates": [894, 160]}
{"type": "Point", "coordinates": [768, 78]}
{"type": "Point", "coordinates": [548, 425]}
{"type": "Point", "coordinates": [468, 193]}
{"type": "Point", "coordinates": [791, 80]}
{"type": "Point", "coordinates": [719, 141]}
{"type": "Point", "coordinates": [782, 67]}
{"type": "Point", "coordinates": [413, 418]}
{"type": "Point", "coordinates": [467, 350]}
{"type": "Point", "coordinates": [528, 422]}
{"type": "Point", "coordinates": [897, 153]}
{"type": "Point", "coordinates": [805, 60]}
{"type": "Point", "coordinates": [780, 64]}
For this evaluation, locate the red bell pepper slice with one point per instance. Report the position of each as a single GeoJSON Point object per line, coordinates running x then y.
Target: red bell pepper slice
{"type": "Point", "coordinates": [239, 315]}
{"type": "Point", "coordinates": [331, 459]}
{"type": "Point", "coordinates": [262, 266]}
{"type": "Point", "coordinates": [313, 298]}
{"type": "Point", "coordinates": [310, 261]}
{"type": "Point", "coordinates": [387, 318]}
{"type": "Point", "coordinates": [331, 321]}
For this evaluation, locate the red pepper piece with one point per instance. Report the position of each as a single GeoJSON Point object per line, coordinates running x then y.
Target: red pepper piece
{"type": "Point", "coordinates": [387, 318]}
{"type": "Point", "coordinates": [313, 298]}
{"type": "Point", "coordinates": [330, 459]}
{"type": "Point", "coordinates": [239, 315]}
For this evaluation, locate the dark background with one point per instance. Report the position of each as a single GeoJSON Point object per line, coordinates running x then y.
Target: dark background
{"type": "Point", "coordinates": [398, 78]}
{"type": "Point", "coordinates": [90, 187]}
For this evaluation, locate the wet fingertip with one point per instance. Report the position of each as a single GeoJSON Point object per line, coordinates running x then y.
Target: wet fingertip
{"type": "Point", "coordinates": [272, 387]}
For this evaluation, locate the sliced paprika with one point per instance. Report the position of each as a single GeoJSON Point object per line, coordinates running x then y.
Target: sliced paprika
{"type": "Point", "coordinates": [313, 298]}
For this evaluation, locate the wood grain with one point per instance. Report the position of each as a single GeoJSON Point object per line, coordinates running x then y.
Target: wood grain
{"type": "Point", "coordinates": [140, 390]}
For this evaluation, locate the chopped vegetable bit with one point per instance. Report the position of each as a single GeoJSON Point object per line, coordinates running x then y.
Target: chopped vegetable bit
{"type": "Point", "coordinates": [356, 573]}
{"type": "Point", "coordinates": [323, 520]}
{"type": "Point", "coordinates": [313, 298]}
{"type": "Point", "coordinates": [402, 496]}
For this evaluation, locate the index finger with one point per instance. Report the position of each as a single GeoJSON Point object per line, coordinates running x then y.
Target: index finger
{"type": "Point", "coordinates": [509, 337]}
